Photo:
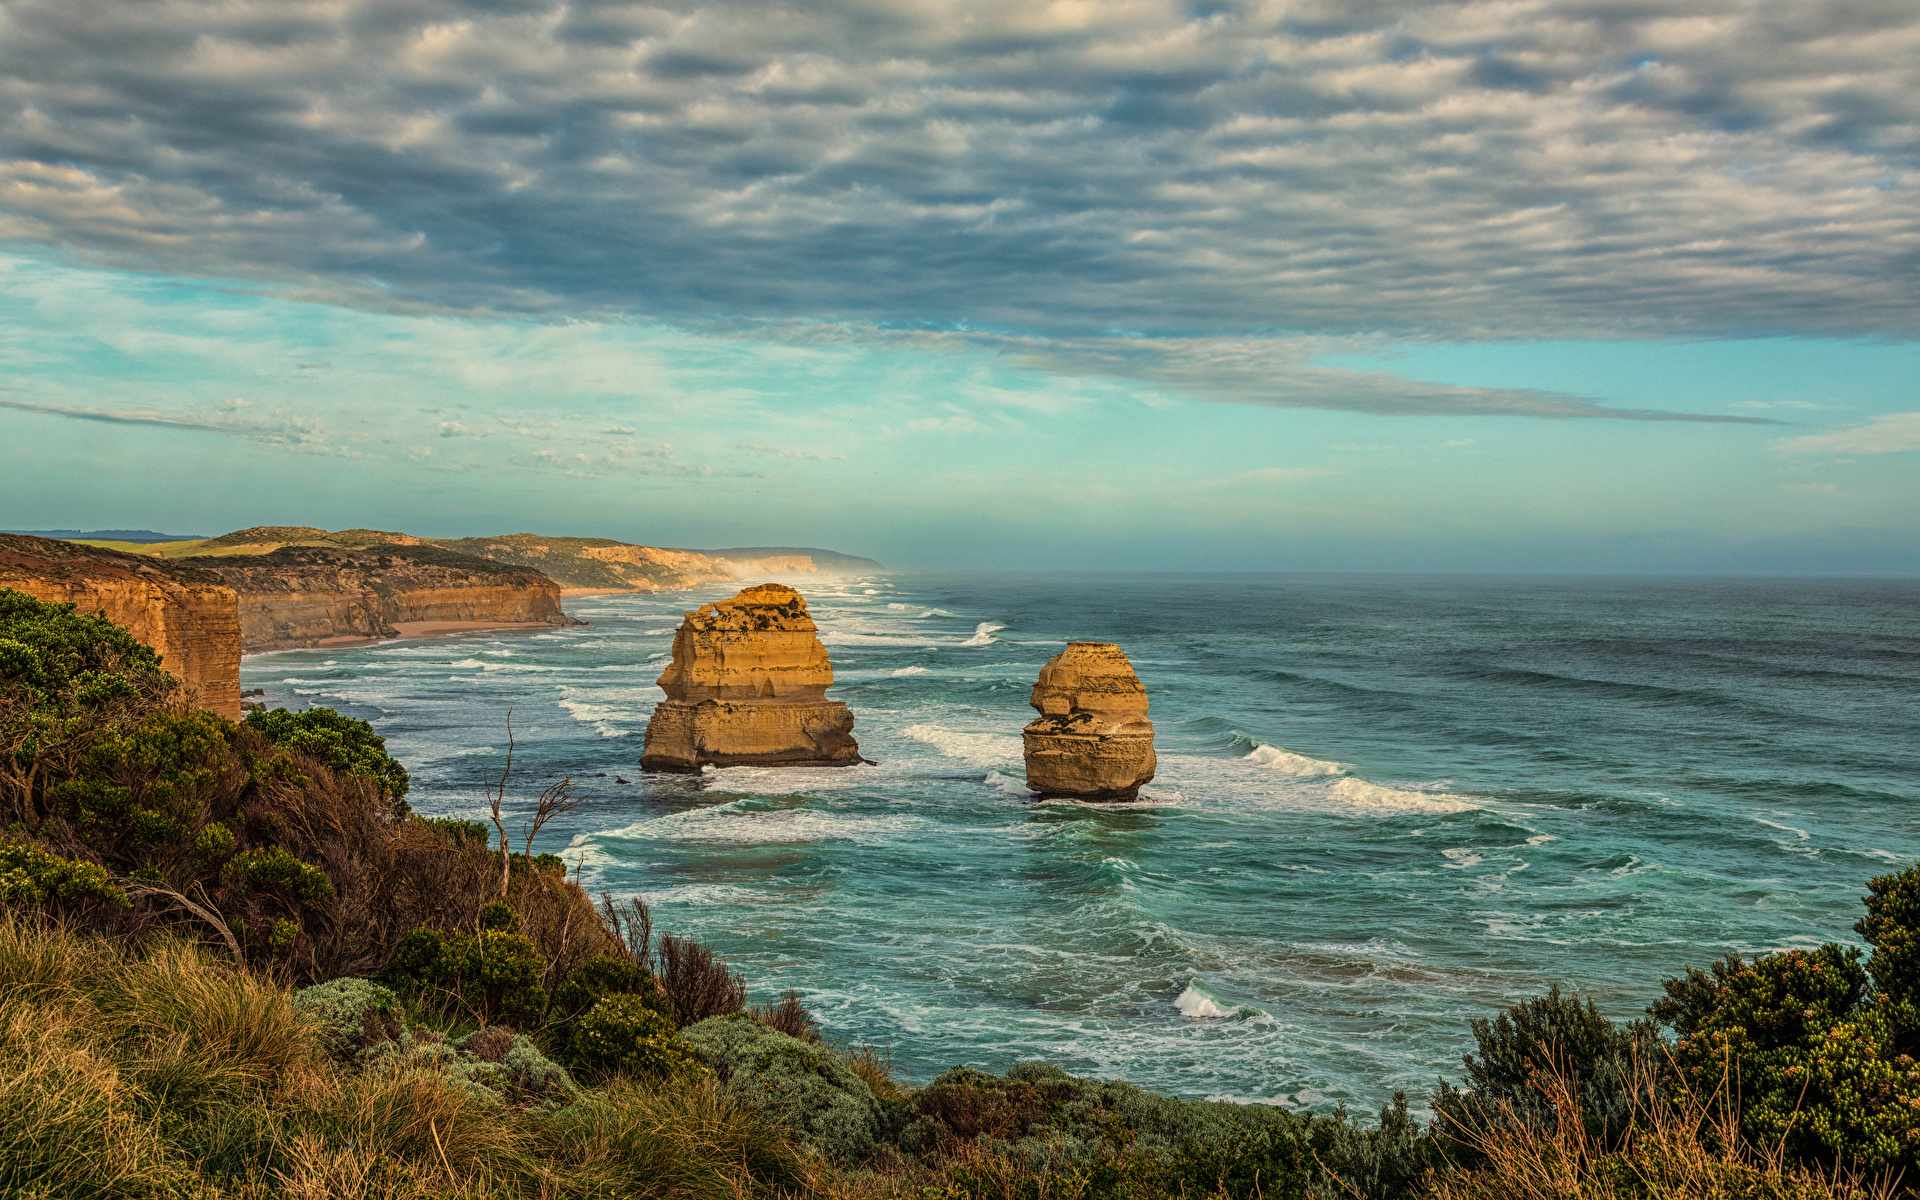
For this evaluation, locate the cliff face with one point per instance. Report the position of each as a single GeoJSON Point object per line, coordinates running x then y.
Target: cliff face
{"type": "Point", "coordinates": [1092, 739]}
{"type": "Point", "coordinates": [597, 564]}
{"type": "Point", "coordinates": [186, 614]}
{"type": "Point", "coordinates": [304, 595]}
{"type": "Point", "coordinates": [747, 687]}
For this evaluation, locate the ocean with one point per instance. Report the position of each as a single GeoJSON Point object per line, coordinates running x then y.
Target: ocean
{"type": "Point", "coordinates": [1385, 805]}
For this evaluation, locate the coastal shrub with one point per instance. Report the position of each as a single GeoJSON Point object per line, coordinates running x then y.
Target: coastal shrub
{"type": "Point", "coordinates": [460, 832]}
{"type": "Point", "coordinates": [1810, 1054]}
{"type": "Point", "coordinates": [697, 982]}
{"type": "Point", "coordinates": [1551, 1032]}
{"type": "Point", "coordinates": [66, 681]}
{"type": "Point", "coordinates": [347, 745]}
{"type": "Point", "coordinates": [494, 1065]}
{"type": "Point", "coordinates": [1687, 1145]}
{"type": "Point", "coordinates": [805, 1088]}
{"type": "Point", "coordinates": [622, 1034]}
{"type": "Point", "coordinates": [610, 975]}
{"type": "Point", "coordinates": [789, 1016]}
{"type": "Point", "coordinates": [487, 975]}
{"type": "Point", "coordinates": [1892, 928]}
{"type": "Point", "coordinates": [31, 877]}
{"type": "Point", "coordinates": [277, 871]}
{"type": "Point", "coordinates": [350, 1015]}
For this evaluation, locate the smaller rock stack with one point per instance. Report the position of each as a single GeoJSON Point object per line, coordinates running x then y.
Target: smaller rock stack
{"type": "Point", "coordinates": [747, 687]}
{"type": "Point", "coordinates": [1092, 739]}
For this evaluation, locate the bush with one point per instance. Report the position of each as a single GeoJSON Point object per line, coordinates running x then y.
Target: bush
{"type": "Point", "coordinates": [29, 876]}
{"type": "Point", "coordinates": [805, 1088]}
{"type": "Point", "coordinates": [487, 975]}
{"type": "Point", "coordinates": [350, 1015]}
{"type": "Point", "coordinates": [697, 983]}
{"type": "Point", "coordinates": [1550, 1032]}
{"type": "Point", "coordinates": [609, 975]}
{"type": "Point", "coordinates": [623, 1035]}
{"type": "Point", "coordinates": [1811, 1057]}
{"type": "Point", "coordinates": [66, 681]}
{"type": "Point", "coordinates": [1892, 928]}
{"type": "Point", "coordinates": [276, 871]}
{"type": "Point", "coordinates": [789, 1016]}
{"type": "Point", "coordinates": [459, 832]}
{"type": "Point", "coordinates": [344, 744]}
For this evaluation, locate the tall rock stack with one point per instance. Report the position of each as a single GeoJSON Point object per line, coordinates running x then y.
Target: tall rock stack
{"type": "Point", "coordinates": [747, 687]}
{"type": "Point", "coordinates": [1092, 739]}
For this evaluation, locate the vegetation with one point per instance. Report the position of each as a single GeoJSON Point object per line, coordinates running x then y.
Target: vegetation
{"type": "Point", "coordinates": [234, 963]}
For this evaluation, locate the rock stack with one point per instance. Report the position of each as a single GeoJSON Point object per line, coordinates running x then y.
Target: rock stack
{"type": "Point", "coordinates": [1092, 739]}
{"type": "Point", "coordinates": [747, 687]}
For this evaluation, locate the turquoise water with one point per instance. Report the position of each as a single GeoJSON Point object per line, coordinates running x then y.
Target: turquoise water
{"type": "Point", "coordinates": [1385, 805]}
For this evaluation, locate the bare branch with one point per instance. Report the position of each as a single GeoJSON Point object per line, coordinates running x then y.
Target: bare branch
{"type": "Point", "coordinates": [207, 913]}
{"type": "Point", "coordinates": [557, 801]}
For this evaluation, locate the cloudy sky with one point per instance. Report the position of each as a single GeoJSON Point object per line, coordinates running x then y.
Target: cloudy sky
{"type": "Point", "coordinates": [1304, 284]}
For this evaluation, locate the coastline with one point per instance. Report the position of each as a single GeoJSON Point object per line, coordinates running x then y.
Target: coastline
{"type": "Point", "coordinates": [412, 630]}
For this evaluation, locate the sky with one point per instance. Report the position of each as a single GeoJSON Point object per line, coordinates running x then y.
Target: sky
{"type": "Point", "coordinates": [1527, 285]}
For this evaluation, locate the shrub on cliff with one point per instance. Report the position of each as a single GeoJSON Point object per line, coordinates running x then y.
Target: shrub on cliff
{"type": "Point", "coordinates": [1115, 1135]}
{"type": "Point", "coordinates": [1809, 1052]}
{"type": "Point", "coordinates": [805, 1088]}
{"type": "Point", "coordinates": [347, 745]}
{"type": "Point", "coordinates": [1551, 1032]}
{"type": "Point", "coordinates": [622, 1035]}
{"type": "Point", "coordinates": [488, 975]}
{"type": "Point", "coordinates": [32, 878]}
{"type": "Point", "coordinates": [66, 680]}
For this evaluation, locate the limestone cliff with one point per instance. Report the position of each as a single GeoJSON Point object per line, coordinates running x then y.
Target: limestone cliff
{"type": "Point", "coordinates": [187, 615]}
{"type": "Point", "coordinates": [307, 595]}
{"type": "Point", "coordinates": [1092, 739]}
{"type": "Point", "coordinates": [747, 687]}
{"type": "Point", "coordinates": [597, 564]}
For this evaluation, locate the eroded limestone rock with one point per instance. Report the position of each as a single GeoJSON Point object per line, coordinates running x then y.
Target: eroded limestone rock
{"type": "Point", "coordinates": [1092, 739]}
{"type": "Point", "coordinates": [747, 687]}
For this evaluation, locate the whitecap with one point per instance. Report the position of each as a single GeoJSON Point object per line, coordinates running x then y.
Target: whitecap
{"type": "Point", "coordinates": [1289, 763]}
{"type": "Point", "coordinates": [983, 634]}
{"type": "Point", "coordinates": [976, 749]}
{"type": "Point", "coordinates": [1196, 1004]}
{"type": "Point", "coordinates": [909, 671]}
{"type": "Point", "coordinates": [1362, 794]}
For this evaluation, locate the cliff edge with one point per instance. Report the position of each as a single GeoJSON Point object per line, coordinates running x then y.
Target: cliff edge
{"type": "Point", "coordinates": [187, 614]}
{"type": "Point", "coordinates": [596, 564]}
{"type": "Point", "coordinates": [303, 595]}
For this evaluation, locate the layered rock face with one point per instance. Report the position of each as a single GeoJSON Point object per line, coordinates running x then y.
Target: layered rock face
{"type": "Point", "coordinates": [309, 595]}
{"type": "Point", "coordinates": [597, 564]}
{"type": "Point", "coordinates": [186, 614]}
{"type": "Point", "coordinates": [747, 687]}
{"type": "Point", "coordinates": [1092, 739]}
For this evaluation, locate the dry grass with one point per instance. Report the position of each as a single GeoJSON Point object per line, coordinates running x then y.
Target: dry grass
{"type": "Point", "coordinates": [70, 1126]}
{"type": "Point", "coordinates": [874, 1066]}
{"type": "Point", "coordinates": [681, 1142]}
{"type": "Point", "coordinates": [789, 1016]}
{"type": "Point", "coordinates": [1682, 1146]}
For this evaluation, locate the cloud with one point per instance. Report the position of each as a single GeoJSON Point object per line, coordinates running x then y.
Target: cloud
{"type": "Point", "coordinates": [1813, 489]}
{"type": "Point", "coordinates": [284, 427]}
{"type": "Point", "coordinates": [778, 452]}
{"type": "Point", "coordinates": [1208, 180]}
{"type": "Point", "coordinates": [1890, 434]}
